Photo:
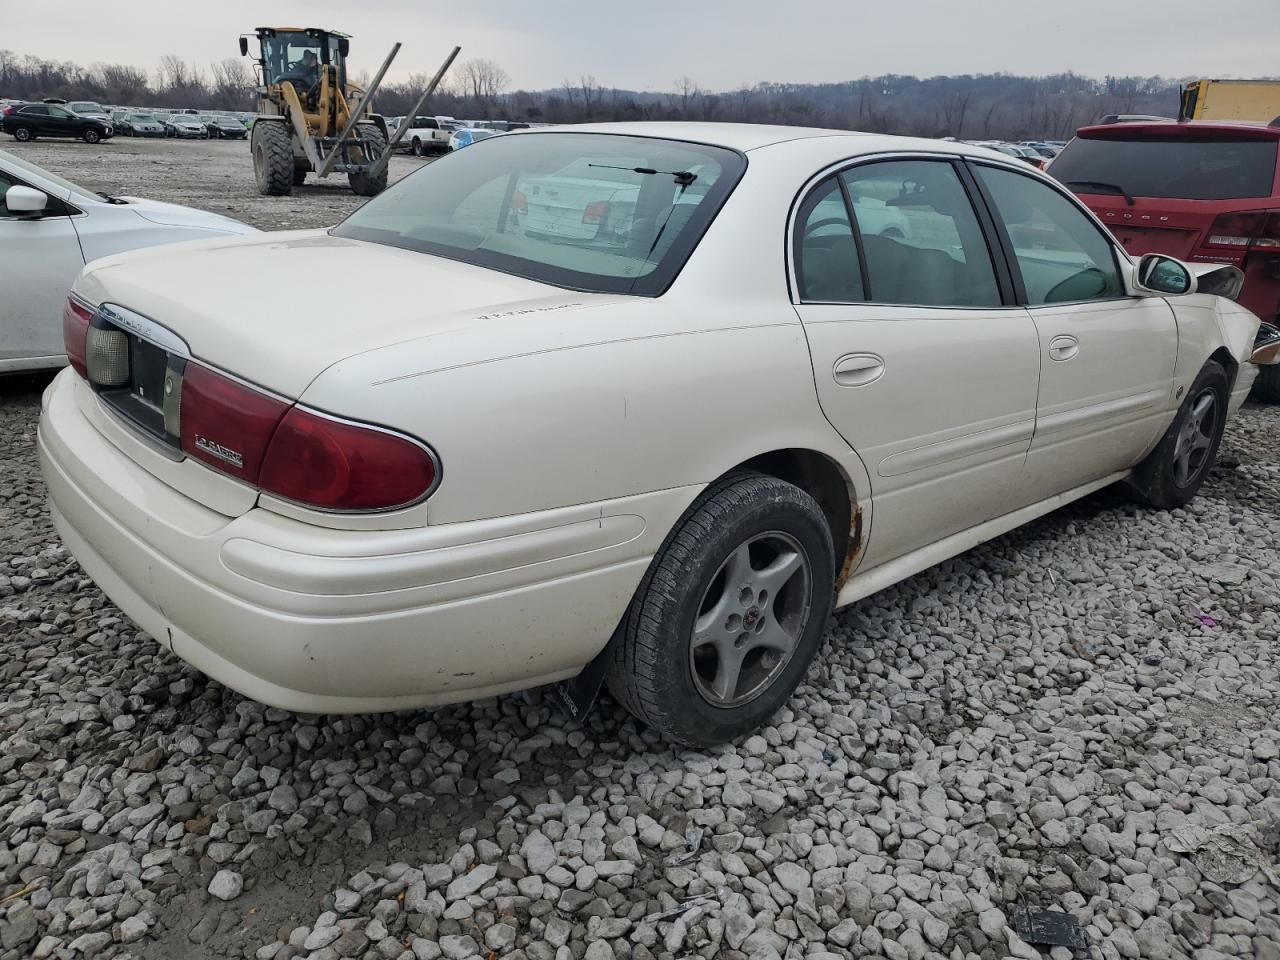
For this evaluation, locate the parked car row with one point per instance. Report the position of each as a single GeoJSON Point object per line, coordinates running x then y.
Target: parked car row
{"type": "Point", "coordinates": [92, 122]}
{"type": "Point", "coordinates": [436, 135]}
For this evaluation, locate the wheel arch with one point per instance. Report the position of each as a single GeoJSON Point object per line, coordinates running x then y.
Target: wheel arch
{"type": "Point", "coordinates": [824, 480]}
{"type": "Point", "coordinates": [1229, 363]}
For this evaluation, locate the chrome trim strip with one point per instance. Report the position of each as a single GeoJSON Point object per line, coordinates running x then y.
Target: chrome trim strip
{"type": "Point", "coordinates": [145, 328]}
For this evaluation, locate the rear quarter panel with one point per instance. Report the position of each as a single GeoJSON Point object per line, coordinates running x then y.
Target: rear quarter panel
{"type": "Point", "coordinates": [600, 416]}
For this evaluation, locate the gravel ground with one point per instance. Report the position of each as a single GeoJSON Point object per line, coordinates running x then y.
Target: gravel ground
{"type": "Point", "coordinates": [1081, 715]}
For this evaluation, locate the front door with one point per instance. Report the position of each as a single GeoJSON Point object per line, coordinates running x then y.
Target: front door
{"type": "Point", "coordinates": [1107, 358]}
{"type": "Point", "coordinates": [41, 259]}
{"type": "Point", "coordinates": [920, 361]}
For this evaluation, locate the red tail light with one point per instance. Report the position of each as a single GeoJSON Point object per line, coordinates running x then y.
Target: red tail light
{"type": "Point", "coordinates": [7, 111]}
{"type": "Point", "coordinates": [596, 211]}
{"type": "Point", "coordinates": [227, 424]}
{"type": "Point", "coordinates": [1245, 229]}
{"type": "Point", "coordinates": [297, 454]}
{"type": "Point", "coordinates": [519, 202]}
{"type": "Point", "coordinates": [75, 331]}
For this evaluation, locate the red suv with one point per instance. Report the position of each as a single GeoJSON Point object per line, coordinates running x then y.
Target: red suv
{"type": "Point", "coordinates": [1205, 192]}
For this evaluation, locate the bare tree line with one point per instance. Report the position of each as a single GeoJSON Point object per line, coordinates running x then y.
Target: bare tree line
{"type": "Point", "coordinates": [980, 106]}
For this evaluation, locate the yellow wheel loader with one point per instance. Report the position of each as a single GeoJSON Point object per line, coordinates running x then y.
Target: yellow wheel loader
{"type": "Point", "coordinates": [310, 116]}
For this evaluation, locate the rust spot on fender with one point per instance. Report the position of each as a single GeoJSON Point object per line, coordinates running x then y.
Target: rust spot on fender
{"type": "Point", "coordinates": [853, 552]}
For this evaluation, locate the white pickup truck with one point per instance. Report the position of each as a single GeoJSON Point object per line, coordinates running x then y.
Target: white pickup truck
{"type": "Point", "coordinates": [427, 135]}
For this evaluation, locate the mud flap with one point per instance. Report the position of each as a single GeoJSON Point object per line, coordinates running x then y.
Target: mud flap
{"type": "Point", "coordinates": [578, 694]}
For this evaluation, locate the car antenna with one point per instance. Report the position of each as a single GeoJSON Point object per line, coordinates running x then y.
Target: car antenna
{"type": "Point", "coordinates": [683, 177]}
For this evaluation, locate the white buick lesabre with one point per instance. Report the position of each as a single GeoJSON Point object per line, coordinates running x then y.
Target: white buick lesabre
{"type": "Point", "coordinates": [679, 390]}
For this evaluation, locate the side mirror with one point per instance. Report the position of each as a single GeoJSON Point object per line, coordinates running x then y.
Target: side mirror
{"type": "Point", "coordinates": [1165, 275]}
{"type": "Point", "coordinates": [1266, 345]}
{"type": "Point", "coordinates": [344, 47]}
{"type": "Point", "coordinates": [25, 200]}
{"type": "Point", "coordinates": [244, 46]}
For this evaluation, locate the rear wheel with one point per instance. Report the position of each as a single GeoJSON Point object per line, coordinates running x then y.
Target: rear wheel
{"type": "Point", "coordinates": [416, 147]}
{"type": "Point", "coordinates": [365, 184]}
{"type": "Point", "coordinates": [1175, 470]}
{"type": "Point", "coordinates": [272, 159]}
{"type": "Point", "coordinates": [730, 614]}
{"type": "Point", "coordinates": [1267, 385]}
{"type": "Point", "coordinates": [23, 134]}
{"type": "Point", "coordinates": [90, 135]}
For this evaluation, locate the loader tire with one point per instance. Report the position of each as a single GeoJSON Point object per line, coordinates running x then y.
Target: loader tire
{"type": "Point", "coordinates": [364, 184]}
{"type": "Point", "coordinates": [273, 159]}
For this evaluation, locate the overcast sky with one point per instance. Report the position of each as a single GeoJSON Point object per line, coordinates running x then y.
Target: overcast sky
{"type": "Point", "coordinates": [721, 44]}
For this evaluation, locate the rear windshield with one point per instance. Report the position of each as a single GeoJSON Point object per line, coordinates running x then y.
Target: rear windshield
{"type": "Point", "coordinates": [535, 206]}
{"type": "Point", "coordinates": [1172, 168]}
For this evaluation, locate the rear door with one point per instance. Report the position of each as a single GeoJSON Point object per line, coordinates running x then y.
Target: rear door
{"type": "Point", "coordinates": [1106, 358]}
{"type": "Point", "coordinates": [921, 360]}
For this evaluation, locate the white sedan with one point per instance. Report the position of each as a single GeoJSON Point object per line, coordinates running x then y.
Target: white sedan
{"type": "Point", "coordinates": [49, 229]}
{"type": "Point", "coordinates": [665, 452]}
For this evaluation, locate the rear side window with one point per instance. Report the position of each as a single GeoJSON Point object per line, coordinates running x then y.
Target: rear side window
{"type": "Point", "coordinates": [1220, 169]}
{"type": "Point", "coordinates": [1062, 255]}
{"type": "Point", "coordinates": [920, 236]}
{"type": "Point", "coordinates": [827, 267]}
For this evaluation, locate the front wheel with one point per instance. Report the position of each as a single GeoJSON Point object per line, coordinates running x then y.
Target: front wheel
{"type": "Point", "coordinates": [272, 159]}
{"type": "Point", "coordinates": [1175, 470]}
{"type": "Point", "coordinates": [730, 614]}
{"type": "Point", "coordinates": [90, 136]}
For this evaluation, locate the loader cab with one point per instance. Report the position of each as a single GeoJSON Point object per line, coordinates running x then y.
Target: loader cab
{"type": "Point", "coordinates": [297, 56]}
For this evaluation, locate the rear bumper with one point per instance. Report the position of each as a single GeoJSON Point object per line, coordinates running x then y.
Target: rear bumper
{"type": "Point", "coordinates": [338, 621]}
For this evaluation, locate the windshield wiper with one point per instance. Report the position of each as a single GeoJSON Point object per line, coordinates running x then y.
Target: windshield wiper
{"type": "Point", "coordinates": [1113, 187]}
{"type": "Point", "coordinates": [110, 199]}
{"type": "Point", "coordinates": [682, 177]}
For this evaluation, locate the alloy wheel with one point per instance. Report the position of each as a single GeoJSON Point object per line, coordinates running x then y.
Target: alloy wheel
{"type": "Point", "coordinates": [751, 619]}
{"type": "Point", "coordinates": [1195, 439]}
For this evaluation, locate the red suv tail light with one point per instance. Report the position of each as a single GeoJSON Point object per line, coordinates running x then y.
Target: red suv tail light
{"type": "Point", "coordinates": [75, 333]}
{"type": "Point", "coordinates": [1245, 229]}
{"type": "Point", "coordinates": [298, 454]}
{"type": "Point", "coordinates": [337, 465]}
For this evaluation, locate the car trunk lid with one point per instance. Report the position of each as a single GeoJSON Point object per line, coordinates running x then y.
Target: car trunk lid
{"type": "Point", "coordinates": [171, 315]}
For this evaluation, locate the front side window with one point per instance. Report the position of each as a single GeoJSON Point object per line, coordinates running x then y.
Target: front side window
{"type": "Point", "coordinates": [920, 235]}
{"type": "Point", "coordinates": [1061, 253]}
{"type": "Point", "coordinates": [595, 212]}
{"type": "Point", "coordinates": [59, 113]}
{"type": "Point", "coordinates": [826, 253]}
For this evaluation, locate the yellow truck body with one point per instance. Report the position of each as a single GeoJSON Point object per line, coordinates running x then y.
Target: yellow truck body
{"type": "Point", "coordinates": [1257, 100]}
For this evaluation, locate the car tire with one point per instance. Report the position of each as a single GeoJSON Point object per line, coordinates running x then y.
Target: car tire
{"type": "Point", "coordinates": [688, 658]}
{"type": "Point", "coordinates": [89, 135]}
{"type": "Point", "coordinates": [416, 147]}
{"type": "Point", "coordinates": [272, 159]}
{"type": "Point", "coordinates": [23, 134]}
{"type": "Point", "coordinates": [1267, 385]}
{"type": "Point", "coordinates": [1174, 471]}
{"type": "Point", "coordinates": [364, 184]}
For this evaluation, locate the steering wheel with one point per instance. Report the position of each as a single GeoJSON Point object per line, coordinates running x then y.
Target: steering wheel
{"type": "Point", "coordinates": [827, 222]}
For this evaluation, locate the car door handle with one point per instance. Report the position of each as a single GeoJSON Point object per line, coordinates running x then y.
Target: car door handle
{"type": "Point", "coordinates": [1063, 348]}
{"type": "Point", "coordinates": [858, 369]}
